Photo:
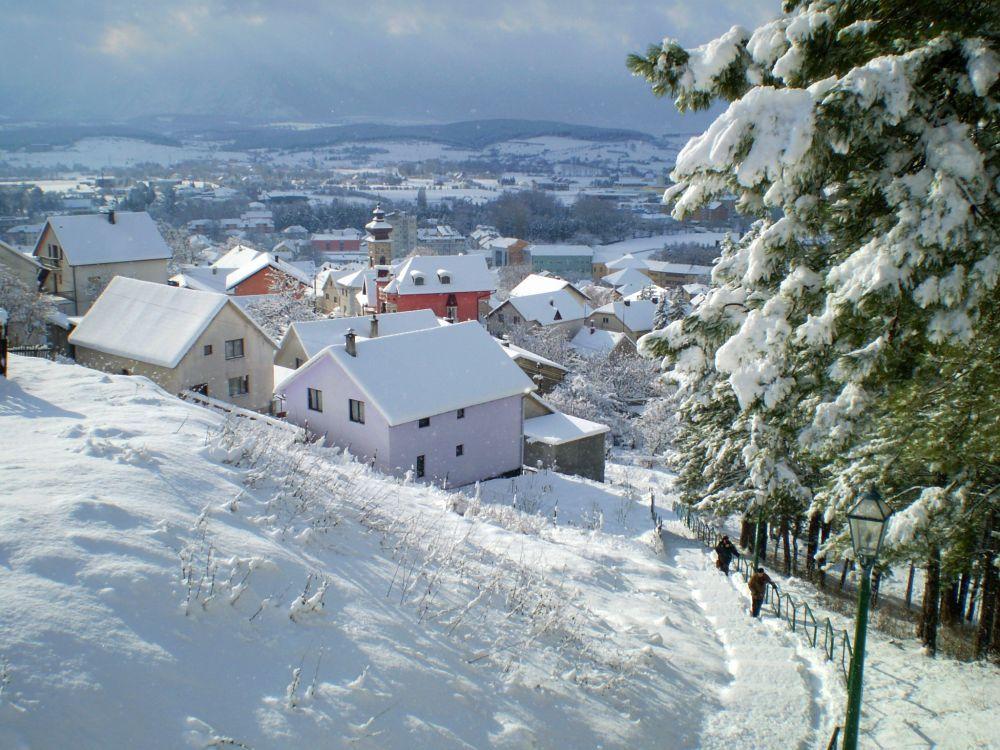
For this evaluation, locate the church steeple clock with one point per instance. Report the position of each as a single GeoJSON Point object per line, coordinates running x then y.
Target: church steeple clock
{"type": "Point", "coordinates": [379, 244]}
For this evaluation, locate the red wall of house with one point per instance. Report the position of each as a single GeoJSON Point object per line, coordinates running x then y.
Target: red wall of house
{"type": "Point", "coordinates": [468, 303]}
{"type": "Point", "coordinates": [337, 246]}
{"type": "Point", "coordinates": [260, 283]}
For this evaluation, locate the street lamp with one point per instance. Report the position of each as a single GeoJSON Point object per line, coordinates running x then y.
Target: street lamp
{"type": "Point", "coordinates": [867, 521]}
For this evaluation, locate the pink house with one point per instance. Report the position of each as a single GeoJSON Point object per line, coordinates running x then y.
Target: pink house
{"type": "Point", "coordinates": [444, 403]}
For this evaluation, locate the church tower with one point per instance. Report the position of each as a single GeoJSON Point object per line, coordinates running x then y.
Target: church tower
{"type": "Point", "coordinates": [379, 244]}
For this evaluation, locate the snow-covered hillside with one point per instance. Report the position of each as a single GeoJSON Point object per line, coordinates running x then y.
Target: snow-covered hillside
{"type": "Point", "coordinates": [169, 578]}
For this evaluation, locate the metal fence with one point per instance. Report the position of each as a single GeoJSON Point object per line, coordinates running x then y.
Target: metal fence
{"type": "Point", "coordinates": [796, 613]}
{"type": "Point", "coordinates": [43, 352]}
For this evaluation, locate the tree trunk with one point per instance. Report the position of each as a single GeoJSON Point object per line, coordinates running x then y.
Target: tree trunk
{"type": "Point", "coordinates": [927, 629]}
{"type": "Point", "coordinates": [963, 593]}
{"type": "Point", "coordinates": [796, 532]}
{"type": "Point", "coordinates": [843, 573]}
{"type": "Point", "coordinates": [971, 611]}
{"type": "Point", "coordinates": [950, 613]}
{"type": "Point", "coordinates": [812, 544]}
{"type": "Point", "coordinates": [786, 548]}
{"type": "Point", "coordinates": [746, 533]}
{"type": "Point", "coordinates": [986, 635]}
{"type": "Point", "coordinates": [909, 587]}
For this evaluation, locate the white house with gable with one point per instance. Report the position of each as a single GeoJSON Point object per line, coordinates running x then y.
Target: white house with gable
{"type": "Point", "coordinates": [443, 403]}
{"type": "Point", "coordinates": [82, 253]}
{"type": "Point", "coordinates": [181, 339]}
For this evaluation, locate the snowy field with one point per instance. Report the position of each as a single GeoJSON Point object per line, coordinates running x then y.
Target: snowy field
{"type": "Point", "coordinates": [642, 247]}
{"type": "Point", "coordinates": [173, 579]}
{"type": "Point", "coordinates": [108, 152]}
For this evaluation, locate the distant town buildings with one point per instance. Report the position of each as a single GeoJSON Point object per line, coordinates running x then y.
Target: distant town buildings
{"type": "Point", "coordinates": [571, 261]}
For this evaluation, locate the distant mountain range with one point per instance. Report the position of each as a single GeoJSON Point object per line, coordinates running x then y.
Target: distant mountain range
{"type": "Point", "coordinates": [242, 135]}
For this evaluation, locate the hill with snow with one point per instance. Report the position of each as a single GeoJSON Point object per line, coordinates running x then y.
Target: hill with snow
{"type": "Point", "coordinates": [172, 577]}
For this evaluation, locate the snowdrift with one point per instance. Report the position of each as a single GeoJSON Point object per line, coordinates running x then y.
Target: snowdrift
{"type": "Point", "coordinates": [171, 578]}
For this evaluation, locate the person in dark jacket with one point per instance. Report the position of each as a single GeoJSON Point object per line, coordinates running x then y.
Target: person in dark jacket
{"type": "Point", "coordinates": [726, 551]}
{"type": "Point", "coordinates": [758, 584]}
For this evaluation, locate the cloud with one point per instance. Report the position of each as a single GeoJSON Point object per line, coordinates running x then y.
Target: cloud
{"type": "Point", "coordinates": [412, 60]}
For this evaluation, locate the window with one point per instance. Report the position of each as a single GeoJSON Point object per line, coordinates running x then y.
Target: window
{"type": "Point", "coordinates": [207, 351]}
{"type": "Point", "coordinates": [239, 386]}
{"type": "Point", "coordinates": [500, 317]}
{"type": "Point", "coordinates": [444, 278]}
{"type": "Point", "coordinates": [424, 422]}
{"type": "Point", "coordinates": [418, 280]}
{"type": "Point", "coordinates": [605, 319]}
{"type": "Point", "coordinates": [357, 410]}
{"type": "Point", "coordinates": [459, 450]}
{"type": "Point", "coordinates": [460, 414]}
{"type": "Point", "coordinates": [234, 348]}
{"type": "Point", "coordinates": [420, 466]}
{"type": "Point", "coordinates": [298, 363]}
{"type": "Point", "coordinates": [451, 312]}
{"type": "Point", "coordinates": [315, 398]}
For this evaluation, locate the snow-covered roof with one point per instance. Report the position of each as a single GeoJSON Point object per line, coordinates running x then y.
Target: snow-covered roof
{"type": "Point", "coordinates": [596, 341]}
{"type": "Point", "coordinates": [685, 269]}
{"type": "Point", "coordinates": [626, 261]}
{"type": "Point", "coordinates": [636, 316]}
{"type": "Point", "coordinates": [516, 352]}
{"type": "Point", "coordinates": [467, 273]}
{"type": "Point", "coordinates": [501, 242]}
{"type": "Point", "coordinates": [262, 261]}
{"type": "Point", "coordinates": [542, 308]}
{"type": "Point", "coordinates": [237, 256]}
{"type": "Point", "coordinates": [626, 277]}
{"type": "Point", "coordinates": [558, 428]}
{"type": "Point", "coordinates": [562, 250]}
{"type": "Point", "coordinates": [89, 239]}
{"type": "Point", "coordinates": [537, 283]}
{"type": "Point", "coordinates": [315, 335]}
{"type": "Point", "coordinates": [9, 253]}
{"type": "Point", "coordinates": [149, 322]}
{"type": "Point", "coordinates": [353, 280]}
{"type": "Point", "coordinates": [339, 234]}
{"type": "Point", "coordinates": [432, 371]}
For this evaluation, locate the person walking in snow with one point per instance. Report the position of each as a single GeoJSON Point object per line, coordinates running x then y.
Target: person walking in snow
{"type": "Point", "coordinates": [758, 584]}
{"type": "Point", "coordinates": [726, 551]}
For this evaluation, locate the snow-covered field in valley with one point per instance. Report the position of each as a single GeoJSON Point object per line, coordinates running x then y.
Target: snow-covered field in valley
{"type": "Point", "coordinates": [170, 578]}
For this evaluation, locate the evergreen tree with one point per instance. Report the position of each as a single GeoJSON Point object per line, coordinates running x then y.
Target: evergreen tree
{"type": "Point", "coordinates": [847, 335]}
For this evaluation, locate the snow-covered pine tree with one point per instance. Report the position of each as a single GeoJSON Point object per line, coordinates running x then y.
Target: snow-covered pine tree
{"type": "Point", "coordinates": [871, 129]}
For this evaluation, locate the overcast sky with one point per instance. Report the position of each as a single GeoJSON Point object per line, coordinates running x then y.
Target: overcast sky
{"type": "Point", "coordinates": [335, 60]}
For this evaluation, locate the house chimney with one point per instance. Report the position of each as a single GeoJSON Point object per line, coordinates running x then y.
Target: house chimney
{"type": "Point", "coordinates": [111, 216]}
{"type": "Point", "coordinates": [373, 333]}
{"type": "Point", "coordinates": [350, 340]}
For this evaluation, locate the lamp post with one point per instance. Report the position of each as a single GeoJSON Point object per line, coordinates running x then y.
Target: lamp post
{"type": "Point", "coordinates": [867, 522]}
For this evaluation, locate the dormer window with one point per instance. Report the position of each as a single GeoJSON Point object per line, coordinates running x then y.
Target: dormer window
{"type": "Point", "coordinates": [444, 278]}
{"type": "Point", "coordinates": [418, 280]}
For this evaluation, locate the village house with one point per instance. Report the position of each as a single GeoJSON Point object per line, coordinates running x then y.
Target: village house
{"type": "Point", "coordinates": [590, 341]}
{"type": "Point", "coordinates": [676, 274]}
{"type": "Point", "coordinates": [80, 254]}
{"type": "Point", "coordinates": [544, 283]}
{"type": "Point", "coordinates": [260, 273]}
{"type": "Point", "coordinates": [337, 241]}
{"type": "Point", "coordinates": [451, 286]}
{"type": "Point", "coordinates": [557, 441]}
{"type": "Point", "coordinates": [305, 339]}
{"type": "Point", "coordinates": [180, 339]}
{"type": "Point", "coordinates": [23, 267]}
{"type": "Point", "coordinates": [442, 240]}
{"type": "Point", "coordinates": [506, 251]}
{"type": "Point", "coordinates": [443, 404]}
{"type": "Point", "coordinates": [544, 373]}
{"type": "Point", "coordinates": [558, 309]}
{"type": "Point", "coordinates": [634, 318]}
{"type": "Point", "coordinates": [572, 261]}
